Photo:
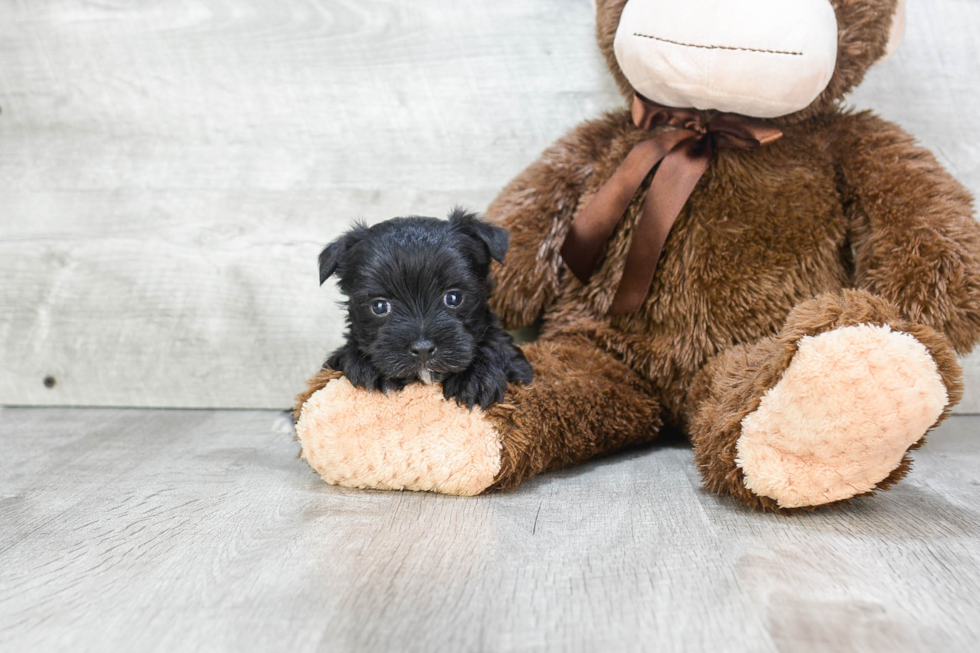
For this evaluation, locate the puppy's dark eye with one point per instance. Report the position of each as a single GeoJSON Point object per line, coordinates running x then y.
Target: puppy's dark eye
{"type": "Point", "coordinates": [380, 307]}
{"type": "Point", "coordinates": [453, 299]}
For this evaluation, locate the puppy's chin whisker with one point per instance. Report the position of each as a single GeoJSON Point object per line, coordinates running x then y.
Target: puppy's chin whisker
{"type": "Point", "coordinates": [425, 376]}
{"type": "Point", "coordinates": [407, 374]}
{"type": "Point", "coordinates": [454, 367]}
{"type": "Point", "coordinates": [396, 368]}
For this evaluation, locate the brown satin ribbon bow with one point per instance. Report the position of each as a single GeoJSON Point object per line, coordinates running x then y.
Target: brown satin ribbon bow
{"type": "Point", "coordinates": [683, 154]}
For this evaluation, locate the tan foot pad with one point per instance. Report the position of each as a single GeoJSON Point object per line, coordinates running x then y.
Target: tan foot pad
{"type": "Point", "coordinates": [409, 440]}
{"type": "Point", "coordinates": [850, 404]}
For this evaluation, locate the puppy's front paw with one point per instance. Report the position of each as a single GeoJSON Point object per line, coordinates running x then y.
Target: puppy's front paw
{"type": "Point", "coordinates": [475, 387]}
{"type": "Point", "coordinates": [362, 374]}
{"type": "Point", "coordinates": [393, 385]}
{"type": "Point", "coordinates": [520, 371]}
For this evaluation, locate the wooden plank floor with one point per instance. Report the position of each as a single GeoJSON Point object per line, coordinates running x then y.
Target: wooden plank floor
{"type": "Point", "coordinates": [154, 530]}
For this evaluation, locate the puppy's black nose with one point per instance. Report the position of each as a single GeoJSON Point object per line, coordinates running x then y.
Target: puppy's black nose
{"type": "Point", "coordinates": [423, 349]}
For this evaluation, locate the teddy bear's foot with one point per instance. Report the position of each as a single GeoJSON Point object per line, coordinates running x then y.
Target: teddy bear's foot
{"type": "Point", "coordinates": [848, 407]}
{"type": "Point", "coordinates": [824, 411]}
{"type": "Point", "coordinates": [408, 440]}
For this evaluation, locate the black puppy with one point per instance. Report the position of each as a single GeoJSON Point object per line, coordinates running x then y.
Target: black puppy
{"type": "Point", "coordinates": [417, 307]}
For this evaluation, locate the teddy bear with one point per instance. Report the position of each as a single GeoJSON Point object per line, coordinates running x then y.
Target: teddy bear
{"type": "Point", "coordinates": [733, 255]}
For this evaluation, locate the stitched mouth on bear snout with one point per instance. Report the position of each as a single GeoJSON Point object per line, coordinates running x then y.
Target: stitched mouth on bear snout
{"type": "Point", "coordinates": [718, 47]}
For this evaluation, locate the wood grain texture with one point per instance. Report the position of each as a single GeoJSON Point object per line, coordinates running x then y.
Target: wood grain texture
{"type": "Point", "coordinates": [138, 530]}
{"type": "Point", "coordinates": [169, 171]}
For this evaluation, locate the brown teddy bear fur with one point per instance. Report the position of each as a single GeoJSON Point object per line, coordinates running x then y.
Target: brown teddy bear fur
{"type": "Point", "coordinates": [843, 221]}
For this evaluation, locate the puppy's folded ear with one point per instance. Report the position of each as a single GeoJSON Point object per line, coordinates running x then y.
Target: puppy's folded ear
{"type": "Point", "coordinates": [495, 238]}
{"type": "Point", "coordinates": [332, 256]}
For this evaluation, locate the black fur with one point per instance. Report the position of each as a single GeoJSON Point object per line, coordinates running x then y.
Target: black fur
{"type": "Point", "coordinates": [412, 263]}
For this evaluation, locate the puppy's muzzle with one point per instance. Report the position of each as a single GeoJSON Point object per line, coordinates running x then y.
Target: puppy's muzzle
{"type": "Point", "coordinates": [423, 349]}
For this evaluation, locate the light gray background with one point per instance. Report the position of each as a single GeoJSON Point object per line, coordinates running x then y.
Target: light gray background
{"type": "Point", "coordinates": [170, 170]}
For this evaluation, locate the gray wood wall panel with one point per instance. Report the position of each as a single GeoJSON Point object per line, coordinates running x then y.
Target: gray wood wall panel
{"type": "Point", "coordinates": [169, 171]}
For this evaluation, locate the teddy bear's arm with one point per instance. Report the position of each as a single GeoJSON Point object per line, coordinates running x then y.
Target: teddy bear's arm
{"type": "Point", "coordinates": [537, 207]}
{"type": "Point", "coordinates": [915, 241]}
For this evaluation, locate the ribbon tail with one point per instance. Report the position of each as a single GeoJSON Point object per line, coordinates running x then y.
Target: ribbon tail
{"type": "Point", "coordinates": [592, 227]}
{"type": "Point", "coordinates": [672, 184]}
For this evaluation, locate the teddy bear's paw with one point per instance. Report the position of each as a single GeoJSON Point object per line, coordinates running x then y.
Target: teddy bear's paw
{"type": "Point", "coordinates": [848, 407]}
{"type": "Point", "coordinates": [408, 440]}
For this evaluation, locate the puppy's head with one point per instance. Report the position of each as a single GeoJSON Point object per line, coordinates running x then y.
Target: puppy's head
{"type": "Point", "coordinates": [417, 290]}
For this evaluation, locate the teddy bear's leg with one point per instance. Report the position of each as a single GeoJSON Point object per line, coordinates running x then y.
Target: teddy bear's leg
{"type": "Point", "coordinates": [825, 410]}
{"type": "Point", "coordinates": [582, 403]}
